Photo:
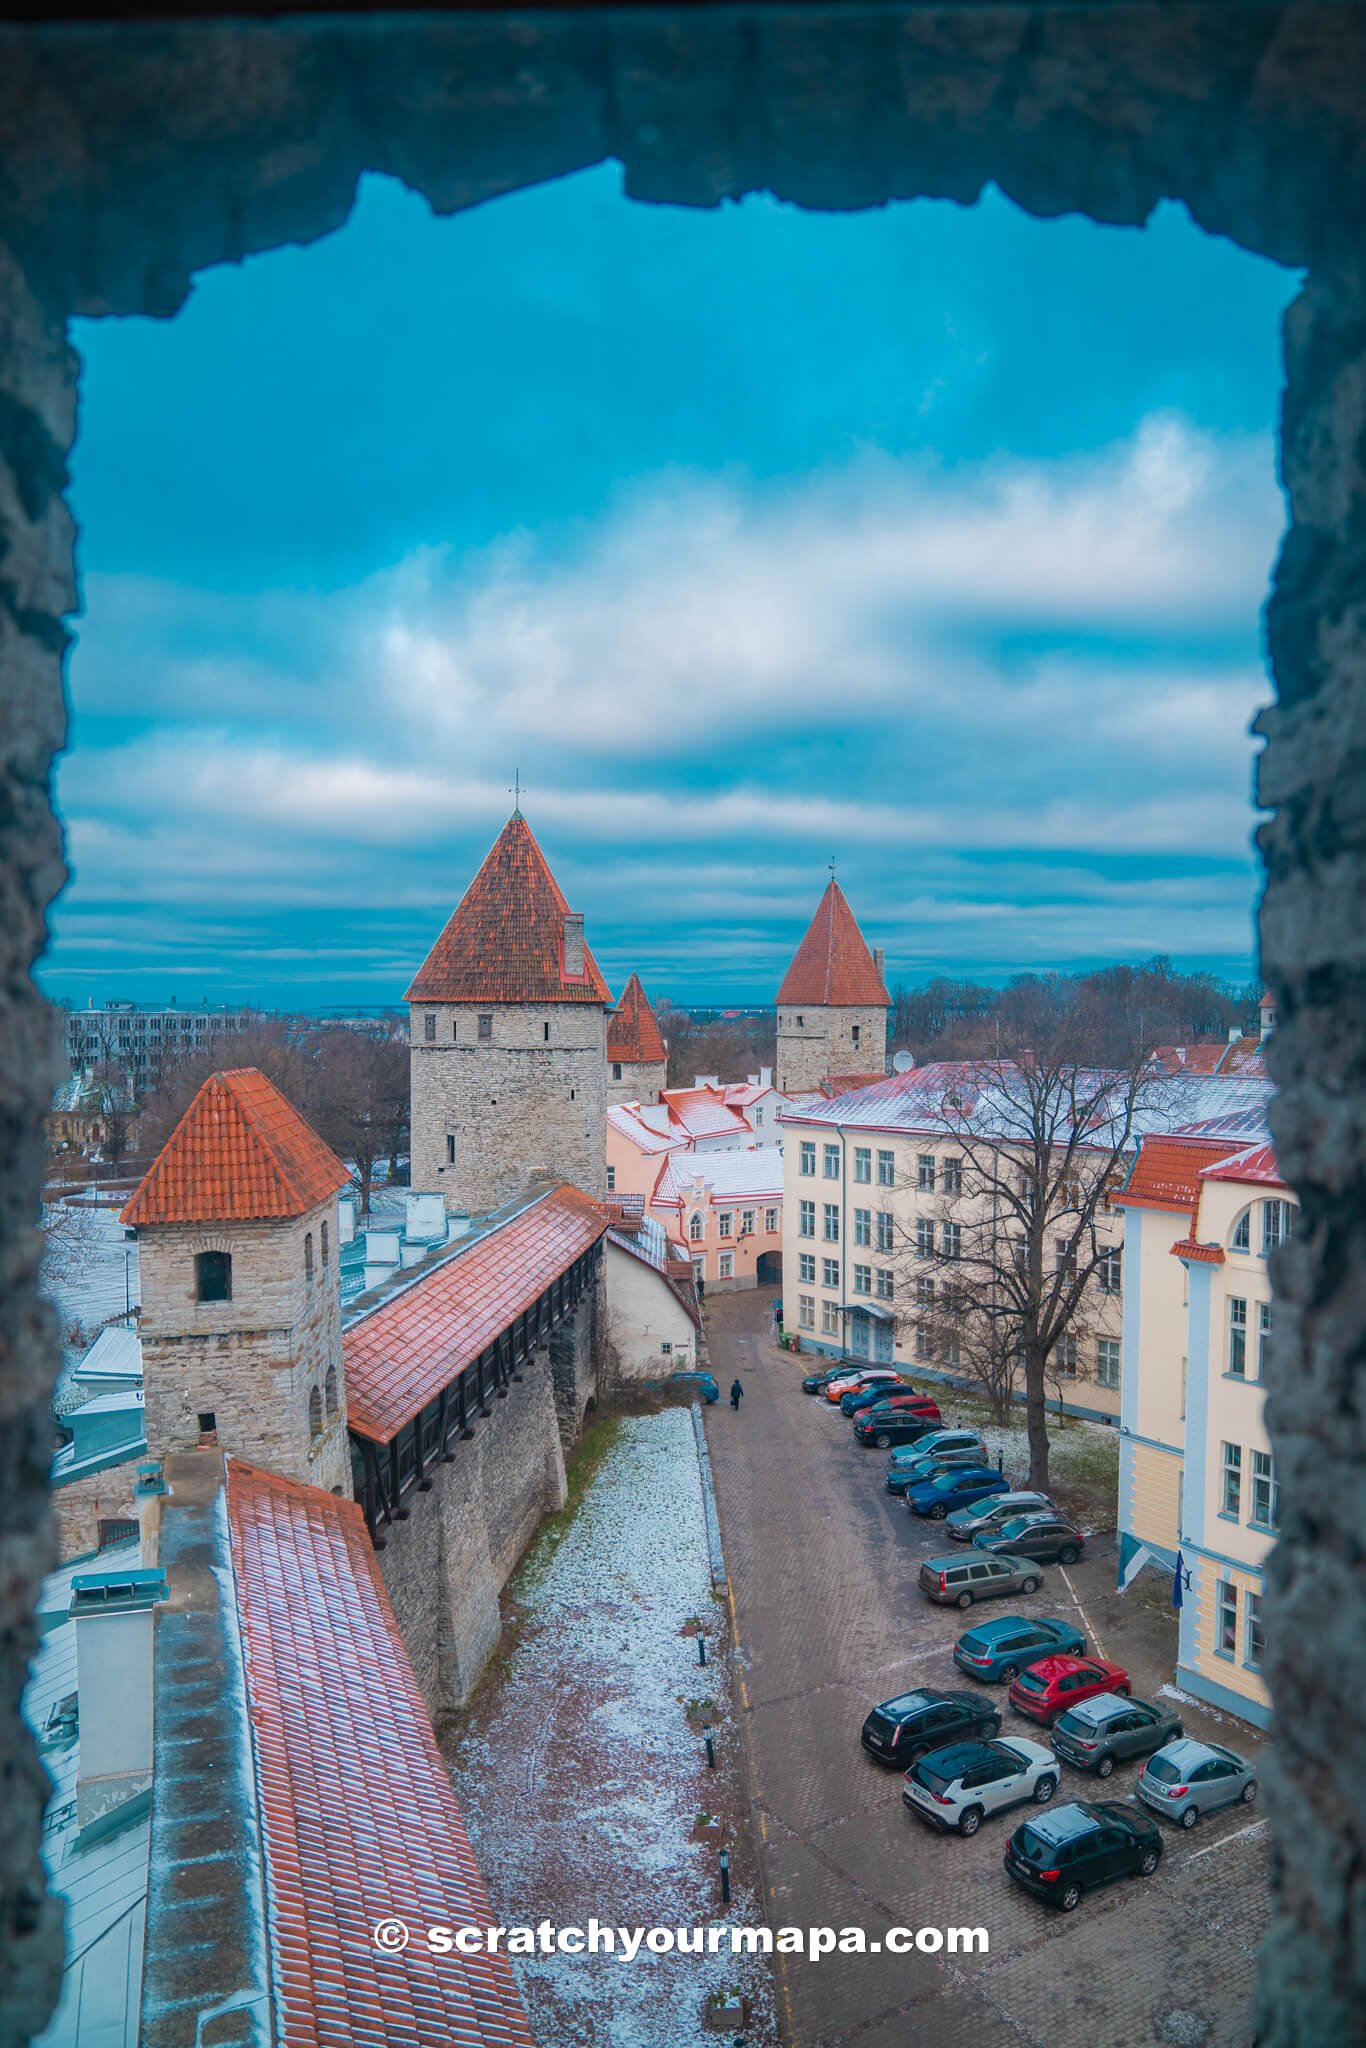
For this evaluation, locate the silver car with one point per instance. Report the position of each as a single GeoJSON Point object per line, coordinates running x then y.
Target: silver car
{"type": "Point", "coordinates": [957, 1787]}
{"type": "Point", "coordinates": [986, 1517]}
{"type": "Point", "coordinates": [1190, 1778]}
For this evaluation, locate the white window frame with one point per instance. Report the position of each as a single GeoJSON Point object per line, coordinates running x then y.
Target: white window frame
{"type": "Point", "coordinates": [1266, 1487]}
{"type": "Point", "coordinates": [806, 1159]}
{"type": "Point", "coordinates": [886, 1169]}
{"type": "Point", "coordinates": [830, 1162]}
{"type": "Point", "coordinates": [1109, 1362]}
{"type": "Point", "coordinates": [806, 1311]}
{"type": "Point", "coordinates": [831, 1223]}
{"type": "Point", "coordinates": [924, 1237]}
{"type": "Point", "coordinates": [925, 1172]}
{"type": "Point", "coordinates": [885, 1284]}
{"type": "Point", "coordinates": [725, 1265]}
{"type": "Point", "coordinates": [1231, 1481]}
{"type": "Point", "coordinates": [806, 1219]}
{"type": "Point", "coordinates": [863, 1164]}
{"type": "Point", "coordinates": [1236, 1365]}
{"type": "Point", "coordinates": [1225, 1618]}
{"type": "Point", "coordinates": [806, 1267]}
{"type": "Point", "coordinates": [951, 1241]}
{"type": "Point", "coordinates": [830, 1273]}
{"type": "Point", "coordinates": [863, 1279]}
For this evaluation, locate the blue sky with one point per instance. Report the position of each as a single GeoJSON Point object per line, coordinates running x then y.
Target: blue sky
{"type": "Point", "coordinates": [930, 540]}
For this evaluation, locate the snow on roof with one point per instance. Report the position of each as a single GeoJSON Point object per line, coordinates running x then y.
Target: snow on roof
{"type": "Point", "coordinates": [625, 1118]}
{"type": "Point", "coordinates": [104, 1882]}
{"type": "Point", "coordinates": [727, 1176]}
{"type": "Point", "coordinates": [116, 1354]}
{"type": "Point", "coordinates": [703, 1113]}
{"type": "Point", "coordinates": [1255, 1167]}
{"type": "Point", "coordinates": [357, 1811]}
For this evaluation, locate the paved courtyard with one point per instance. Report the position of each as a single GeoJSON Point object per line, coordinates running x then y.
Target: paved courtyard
{"type": "Point", "coordinates": [829, 1620]}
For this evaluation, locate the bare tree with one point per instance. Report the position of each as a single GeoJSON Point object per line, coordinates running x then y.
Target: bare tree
{"type": "Point", "coordinates": [359, 1096]}
{"type": "Point", "coordinates": [1011, 1263]}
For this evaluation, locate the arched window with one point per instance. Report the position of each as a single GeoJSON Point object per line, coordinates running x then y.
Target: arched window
{"type": "Point", "coordinates": [322, 1238]}
{"type": "Point", "coordinates": [213, 1276]}
{"type": "Point", "coordinates": [696, 1227]}
{"type": "Point", "coordinates": [308, 1255]}
{"type": "Point", "coordinates": [330, 1383]}
{"type": "Point", "coordinates": [1241, 1239]}
{"type": "Point", "coordinates": [315, 1413]}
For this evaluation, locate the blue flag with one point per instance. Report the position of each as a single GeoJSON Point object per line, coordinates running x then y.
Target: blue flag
{"type": "Point", "coordinates": [1179, 1582]}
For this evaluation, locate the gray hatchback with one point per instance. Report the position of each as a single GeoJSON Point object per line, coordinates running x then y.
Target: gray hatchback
{"type": "Point", "coordinates": [1190, 1778]}
{"type": "Point", "coordinates": [1106, 1730]}
{"type": "Point", "coordinates": [958, 1581]}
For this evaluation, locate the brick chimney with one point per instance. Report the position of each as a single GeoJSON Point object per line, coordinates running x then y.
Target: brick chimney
{"type": "Point", "coordinates": [573, 942]}
{"type": "Point", "coordinates": [879, 961]}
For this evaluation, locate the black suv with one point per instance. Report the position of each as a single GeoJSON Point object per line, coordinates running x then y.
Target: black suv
{"type": "Point", "coordinates": [903, 1730]}
{"type": "Point", "coordinates": [1046, 1537]}
{"type": "Point", "coordinates": [1061, 1855]}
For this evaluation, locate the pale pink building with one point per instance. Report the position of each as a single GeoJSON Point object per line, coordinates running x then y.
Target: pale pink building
{"type": "Point", "coordinates": [727, 1208]}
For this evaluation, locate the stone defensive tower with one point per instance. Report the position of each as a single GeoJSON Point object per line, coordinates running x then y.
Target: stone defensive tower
{"type": "Point", "coordinates": [833, 1002]}
{"type": "Point", "coordinates": [637, 1057]}
{"type": "Point", "coordinates": [241, 1297]}
{"type": "Point", "coordinates": [508, 1028]}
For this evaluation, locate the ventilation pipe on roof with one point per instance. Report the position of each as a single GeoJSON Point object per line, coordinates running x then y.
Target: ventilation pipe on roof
{"type": "Point", "coordinates": [573, 942]}
{"type": "Point", "coordinates": [113, 1613]}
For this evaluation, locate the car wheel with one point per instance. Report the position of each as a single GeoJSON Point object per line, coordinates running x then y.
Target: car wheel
{"type": "Point", "coordinates": [1189, 1817]}
{"type": "Point", "coordinates": [964, 1600]}
{"type": "Point", "coordinates": [1250, 1792]}
{"type": "Point", "coordinates": [1123, 1691]}
{"type": "Point", "coordinates": [1068, 1556]}
{"type": "Point", "coordinates": [1070, 1899]}
{"type": "Point", "coordinates": [884, 1442]}
{"type": "Point", "coordinates": [1149, 1863]}
{"type": "Point", "coordinates": [1029, 1585]}
{"type": "Point", "coordinates": [1008, 1673]}
{"type": "Point", "coordinates": [938, 1513]}
{"type": "Point", "coordinates": [1044, 1791]}
{"type": "Point", "coordinates": [970, 1821]}
{"type": "Point", "coordinates": [1105, 1766]}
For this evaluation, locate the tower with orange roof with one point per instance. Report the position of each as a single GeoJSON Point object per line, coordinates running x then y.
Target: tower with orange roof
{"type": "Point", "coordinates": [833, 1002]}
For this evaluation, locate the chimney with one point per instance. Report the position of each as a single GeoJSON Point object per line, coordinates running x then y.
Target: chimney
{"type": "Point", "coordinates": [573, 942]}
{"type": "Point", "coordinates": [1267, 1011]}
{"type": "Point", "coordinates": [879, 961]}
{"type": "Point", "coordinates": [114, 1618]}
{"type": "Point", "coordinates": [1235, 1032]}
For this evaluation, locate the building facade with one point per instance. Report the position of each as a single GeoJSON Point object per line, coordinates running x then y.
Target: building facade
{"type": "Point", "coordinates": [1198, 1485]}
{"type": "Point", "coordinates": [143, 1041]}
{"type": "Point", "coordinates": [832, 1002]}
{"type": "Point", "coordinates": [726, 1208]}
{"type": "Point", "coordinates": [508, 1036]}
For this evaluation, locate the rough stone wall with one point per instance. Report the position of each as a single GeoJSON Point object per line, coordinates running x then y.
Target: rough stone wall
{"type": "Point", "coordinates": [446, 1565]}
{"type": "Point", "coordinates": [82, 1504]}
{"type": "Point", "coordinates": [136, 155]}
{"type": "Point", "coordinates": [823, 1043]}
{"type": "Point", "coordinates": [641, 1080]}
{"type": "Point", "coordinates": [522, 1107]}
{"type": "Point", "coordinates": [575, 1361]}
{"type": "Point", "coordinates": [253, 1361]}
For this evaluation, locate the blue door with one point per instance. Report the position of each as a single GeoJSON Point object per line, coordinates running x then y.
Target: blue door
{"type": "Point", "coordinates": [884, 1347]}
{"type": "Point", "coordinates": [858, 1334]}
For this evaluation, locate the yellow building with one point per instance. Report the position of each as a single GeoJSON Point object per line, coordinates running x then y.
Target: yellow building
{"type": "Point", "coordinates": [1204, 1208]}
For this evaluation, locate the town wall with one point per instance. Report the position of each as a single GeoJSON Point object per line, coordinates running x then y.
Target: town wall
{"type": "Point", "coordinates": [824, 1043]}
{"type": "Point", "coordinates": [82, 1504]}
{"type": "Point", "coordinates": [528, 1103]}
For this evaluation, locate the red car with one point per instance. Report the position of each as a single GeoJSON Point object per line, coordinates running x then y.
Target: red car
{"type": "Point", "coordinates": [1048, 1688]}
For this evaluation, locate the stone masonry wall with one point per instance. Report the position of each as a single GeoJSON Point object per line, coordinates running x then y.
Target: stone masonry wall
{"type": "Point", "coordinates": [521, 1106]}
{"type": "Point", "coordinates": [82, 1504]}
{"type": "Point", "coordinates": [137, 154]}
{"type": "Point", "coordinates": [253, 1361]}
{"type": "Point", "coordinates": [641, 1081]}
{"type": "Point", "coordinates": [575, 1357]}
{"type": "Point", "coordinates": [823, 1043]}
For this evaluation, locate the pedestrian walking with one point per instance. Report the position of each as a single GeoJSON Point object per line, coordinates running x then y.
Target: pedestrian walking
{"type": "Point", "coordinates": [737, 1395]}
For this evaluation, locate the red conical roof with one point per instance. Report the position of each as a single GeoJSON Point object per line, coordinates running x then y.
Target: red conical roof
{"type": "Point", "coordinates": [632, 1032]}
{"type": "Point", "coordinates": [505, 940]}
{"type": "Point", "coordinates": [241, 1151]}
{"type": "Point", "coordinates": [833, 965]}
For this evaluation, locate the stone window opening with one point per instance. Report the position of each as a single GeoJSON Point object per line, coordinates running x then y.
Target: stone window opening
{"type": "Point", "coordinates": [486, 1027]}
{"type": "Point", "coordinates": [330, 1391]}
{"type": "Point", "coordinates": [308, 1257]}
{"type": "Point", "coordinates": [429, 1025]}
{"type": "Point", "coordinates": [616, 1064]}
{"type": "Point", "coordinates": [322, 1244]}
{"type": "Point", "coordinates": [450, 1148]}
{"type": "Point", "coordinates": [213, 1276]}
{"type": "Point", "coordinates": [315, 1413]}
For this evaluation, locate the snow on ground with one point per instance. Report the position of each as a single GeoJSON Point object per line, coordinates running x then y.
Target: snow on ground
{"type": "Point", "coordinates": [85, 1280]}
{"type": "Point", "coordinates": [581, 1786]}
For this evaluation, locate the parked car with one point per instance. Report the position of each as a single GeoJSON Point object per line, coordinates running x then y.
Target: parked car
{"type": "Point", "coordinates": [902, 1730]}
{"type": "Point", "coordinates": [932, 1455]}
{"type": "Point", "coordinates": [959, 1787]}
{"type": "Point", "coordinates": [1190, 1778]}
{"type": "Point", "coordinates": [698, 1384]}
{"type": "Point", "coordinates": [1109, 1729]}
{"type": "Point", "coordinates": [1049, 1538]}
{"type": "Point", "coordinates": [996, 1650]}
{"type": "Point", "coordinates": [959, 1580]}
{"type": "Point", "coordinates": [1061, 1855]}
{"type": "Point", "coordinates": [817, 1382]}
{"type": "Point", "coordinates": [1054, 1684]}
{"type": "Point", "coordinates": [862, 1376]}
{"type": "Point", "coordinates": [936, 1439]}
{"type": "Point", "coordinates": [954, 1490]}
{"type": "Point", "coordinates": [985, 1516]}
{"type": "Point", "coordinates": [898, 1392]}
{"type": "Point", "coordinates": [880, 1427]}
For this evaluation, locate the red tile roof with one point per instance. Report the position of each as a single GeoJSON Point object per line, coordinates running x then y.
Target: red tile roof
{"type": "Point", "coordinates": [833, 965]}
{"type": "Point", "coordinates": [1256, 1164]}
{"type": "Point", "coordinates": [1166, 1174]}
{"type": "Point", "coordinates": [356, 1808]}
{"type": "Point", "coordinates": [241, 1151]}
{"type": "Point", "coordinates": [505, 939]}
{"type": "Point", "coordinates": [401, 1354]}
{"type": "Point", "coordinates": [845, 1084]}
{"type": "Point", "coordinates": [1203, 1254]}
{"type": "Point", "coordinates": [632, 1032]}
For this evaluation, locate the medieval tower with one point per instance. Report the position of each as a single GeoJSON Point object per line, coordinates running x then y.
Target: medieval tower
{"type": "Point", "coordinates": [236, 1221]}
{"type": "Point", "coordinates": [508, 1029]}
{"type": "Point", "coordinates": [637, 1057]}
{"type": "Point", "coordinates": [832, 1005]}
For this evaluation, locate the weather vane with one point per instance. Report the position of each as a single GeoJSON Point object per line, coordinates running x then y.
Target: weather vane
{"type": "Point", "coordinates": [516, 791]}
{"type": "Point", "coordinates": [832, 867]}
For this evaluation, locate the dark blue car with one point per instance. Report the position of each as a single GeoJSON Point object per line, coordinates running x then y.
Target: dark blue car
{"type": "Point", "coordinates": [999, 1650]}
{"type": "Point", "coordinates": [954, 1490]}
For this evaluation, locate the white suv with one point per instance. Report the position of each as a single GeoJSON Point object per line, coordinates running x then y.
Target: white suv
{"type": "Point", "coordinates": [957, 1787]}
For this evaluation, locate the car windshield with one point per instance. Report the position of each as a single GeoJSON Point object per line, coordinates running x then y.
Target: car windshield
{"type": "Point", "coordinates": [1033, 1847]}
{"type": "Point", "coordinates": [1032, 1682]}
{"type": "Point", "coordinates": [946, 1481]}
{"type": "Point", "coordinates": [907, 1703]}
{"type": "Point", "coordinates": [975, 1642]}
{"type": "Point", "coordinates": [1163, 1769]}
{"type": "Point", "coordinates": [1017, 1527]}
{"type": "Point", "coordinates": [931, 1774]}
{"type": "Point", "coordinates": [1073, 1724]}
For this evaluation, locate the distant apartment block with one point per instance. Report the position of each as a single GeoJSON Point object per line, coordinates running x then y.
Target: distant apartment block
{"type": "Point", "coordinates": [142, 1041]}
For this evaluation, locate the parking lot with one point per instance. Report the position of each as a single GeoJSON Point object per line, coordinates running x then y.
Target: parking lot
{"type": "Point", "coordinates": [828, 1621]}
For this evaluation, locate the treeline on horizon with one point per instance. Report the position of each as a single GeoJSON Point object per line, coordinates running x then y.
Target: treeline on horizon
{"type": "Point", "coordinates": [1110, 1016]}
